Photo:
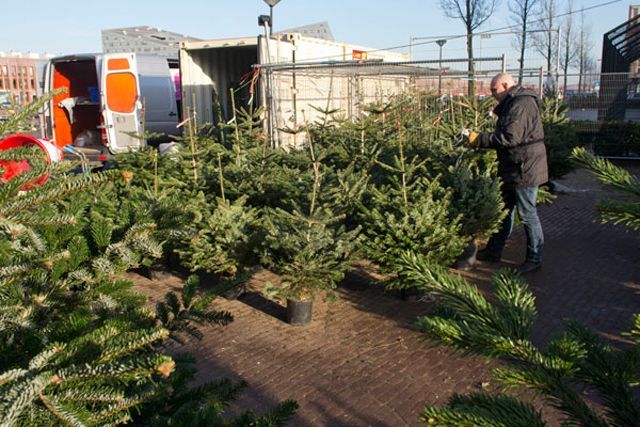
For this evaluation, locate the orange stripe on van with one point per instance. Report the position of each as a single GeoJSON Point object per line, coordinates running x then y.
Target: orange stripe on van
{"type": "Point", "coordinates": [122, 92]}
{"type": "Point", "coordinates": [118, 64]}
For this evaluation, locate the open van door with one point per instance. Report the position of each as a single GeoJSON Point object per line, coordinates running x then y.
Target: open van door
{"type": "Point", "coordinates": [47, 113]}
{"type": "Point", "coordinates": [122, 106]}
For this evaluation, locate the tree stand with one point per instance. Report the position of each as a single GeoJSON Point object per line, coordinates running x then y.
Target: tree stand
{"type": "Point", "coordinates": [467, 260]}
{"type": "Point", "coordinates": [299, 312]}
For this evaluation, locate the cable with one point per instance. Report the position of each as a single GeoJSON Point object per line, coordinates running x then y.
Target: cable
{"type": "Point", "coordinates": [458, 36]}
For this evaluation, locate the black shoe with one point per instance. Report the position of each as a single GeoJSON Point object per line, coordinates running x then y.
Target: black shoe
{"type": "Point", "coordinates": [485, 255]}
{"type": "Point", "coordinates": [528, 266]}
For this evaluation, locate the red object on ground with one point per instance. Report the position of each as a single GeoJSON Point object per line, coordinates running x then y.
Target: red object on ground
{"type": "Point", "coordinates": [14, 168]}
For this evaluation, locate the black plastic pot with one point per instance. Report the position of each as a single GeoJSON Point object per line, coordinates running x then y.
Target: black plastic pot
{"type": "Point", "coordinates": [299, 312]}
{"type": "Point", "coordinates": [158, 272]}
{"type": "Point", "coordinates": [467, 260]}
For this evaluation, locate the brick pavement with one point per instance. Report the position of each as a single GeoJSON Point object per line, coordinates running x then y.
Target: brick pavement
{"type": "Point", "coordinates": [359, 363]}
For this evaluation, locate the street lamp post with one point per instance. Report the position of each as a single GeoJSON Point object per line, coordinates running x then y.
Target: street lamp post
{"type": "Point", "coordinates": [440, 43]}
{"type": "Point", "coordinates": [271, 4]}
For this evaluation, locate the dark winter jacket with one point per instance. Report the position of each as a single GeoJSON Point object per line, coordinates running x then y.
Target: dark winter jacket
{"type": "Point", "coordinates": [518, 140]}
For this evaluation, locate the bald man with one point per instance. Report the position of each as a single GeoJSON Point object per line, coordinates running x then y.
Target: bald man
{"type": "Point", "coordinates": [522, 165]}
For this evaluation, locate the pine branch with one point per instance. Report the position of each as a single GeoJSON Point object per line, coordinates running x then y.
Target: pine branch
{"type": "Point", "coordinates": [64, 415]}
{"type": "Point", "coordinates": [621, 213]}
{"type": "Point", "coordinates": [18, 395]}
{"type": "Point", "coordinates": [474, 323]}
{"type": "Point", "coordinates": [483, 409]}
{"type": "Point", "coordinates": [611, 372]}
{"type": "Point", "coordinates": [49, 193]}
{"type": "Point", "coordinates": [129, 342]}
{"type": "Point", "coordinates": [607, 172]}
{"type": "Point", "coordinates": [277, 416]}
{"type": "Point", "coordinates": [130, 368]}
{"type": "Point", "coordinates": [445, 417]}
{"type": "Point", "coordinates": [16, 121]}
{"type": "Point", "coordinates": [556, 389]}
{"type": "Point", "coordinates": [30, 219]}
{"type": "Point", "coordinates": [634, 332]}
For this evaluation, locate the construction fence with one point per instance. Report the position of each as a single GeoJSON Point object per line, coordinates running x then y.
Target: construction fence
{"type": "Point", "coordinates": [301, 93]}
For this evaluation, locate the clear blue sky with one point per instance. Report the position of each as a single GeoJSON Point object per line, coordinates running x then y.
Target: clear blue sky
{"type": "Point", "coordinates": [73, 26]}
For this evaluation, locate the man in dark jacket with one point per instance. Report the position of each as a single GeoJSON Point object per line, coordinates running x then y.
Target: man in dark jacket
{"type": "Point", "coordinates": [522, 165]}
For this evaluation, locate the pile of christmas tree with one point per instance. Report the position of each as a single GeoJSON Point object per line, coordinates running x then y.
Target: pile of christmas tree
{"type": "Point", "coordinates": [77, 345]}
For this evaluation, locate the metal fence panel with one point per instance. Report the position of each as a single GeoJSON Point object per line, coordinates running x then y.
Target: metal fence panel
{"type": "Point", "coordinates": [598, 103]}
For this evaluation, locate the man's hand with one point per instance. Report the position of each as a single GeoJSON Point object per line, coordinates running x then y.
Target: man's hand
{"type": "Point", "coordinates": [470, 135]}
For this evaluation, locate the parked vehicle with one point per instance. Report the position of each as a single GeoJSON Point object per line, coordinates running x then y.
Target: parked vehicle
{"type": "Point", "coordinates": [107, 98]}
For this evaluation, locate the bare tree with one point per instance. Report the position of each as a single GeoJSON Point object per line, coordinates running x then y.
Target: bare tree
{"type": "Point", "coordinates": [522, 11]}
{"type": "Point", "coordinates": [584, 62]}
{"type": "Point", "coordinates": [569, 54]}
{"type": "Point", "coordinates": [546, 42]}
{"type": "Point", "coordinates": [473, 13]}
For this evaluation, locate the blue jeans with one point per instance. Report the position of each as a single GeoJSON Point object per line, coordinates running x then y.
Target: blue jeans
{"type": "Point", "coordinates": [524, 200]}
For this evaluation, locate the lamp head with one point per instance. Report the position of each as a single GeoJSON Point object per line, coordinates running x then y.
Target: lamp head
{"type": "Point", "coordinates": [264, 20]}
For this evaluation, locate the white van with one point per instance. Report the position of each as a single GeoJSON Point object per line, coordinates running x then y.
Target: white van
{"type": "Point", "coordinates": [107, 96]}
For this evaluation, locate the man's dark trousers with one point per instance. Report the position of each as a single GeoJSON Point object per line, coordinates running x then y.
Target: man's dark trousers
{"type": "Point", "coordinates": [524, 201]}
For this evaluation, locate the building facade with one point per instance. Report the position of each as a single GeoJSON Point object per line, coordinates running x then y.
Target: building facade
{"type": "Point", "coordinates": [145, 39]}
{"type": "Point", "coordinates": [20, 77]}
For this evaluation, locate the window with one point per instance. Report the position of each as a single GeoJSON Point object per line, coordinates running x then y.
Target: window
{"type": "Point", "coordinates": [4, 70]}
{"type": "Point", "coordinates": [1, 84]}
{"type": "Point", "coordinates": [122, 92]}
{"type": "Point", "coordinates": [30, 71]}
{"type": "Point", "coordinates": [33, 84]}
{"type": "Point", "coordinates": [15, 84]}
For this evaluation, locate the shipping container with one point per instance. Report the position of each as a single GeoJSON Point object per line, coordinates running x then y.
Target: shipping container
{"type": "Point", "coordinates": [297, 79]}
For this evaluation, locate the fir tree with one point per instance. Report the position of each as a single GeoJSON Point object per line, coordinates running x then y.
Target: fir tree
{"type": "Point", "coordinates": [476, 196]}
{"type": "Point", "coordinates": [222, 242]}
{"type": "Point", "coordinates": [408, 211]}
{"type": "Point", "coordinates": [311, 249]}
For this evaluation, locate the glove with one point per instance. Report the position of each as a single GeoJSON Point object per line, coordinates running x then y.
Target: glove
{"type": "Point", "coordinates": [470, 135]}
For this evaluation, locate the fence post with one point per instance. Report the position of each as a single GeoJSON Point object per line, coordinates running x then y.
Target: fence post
{"type": "Point", "coordinates": [294, 91]}
{"type": "Point", "coordinates": [541, 82]}
{"type": "Point", "coordinates": [504, 64]}
{"type": "Point", "coordinates": [269, 94]}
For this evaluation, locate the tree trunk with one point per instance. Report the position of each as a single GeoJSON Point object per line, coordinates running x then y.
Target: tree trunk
{"type": "Point", "coordinates": [522, 48]}
{"type": "Point", "coordinates": [580, 71]}
{"type": "Point", "coordinates": [470, 65]}
{"type": "Point", "coordinates": [567, 56]}
{"type": "Point", "coordinates": [549, 54]}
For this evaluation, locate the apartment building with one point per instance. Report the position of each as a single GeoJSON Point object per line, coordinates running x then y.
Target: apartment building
{"type": "Point", "coordinates": [20, 77]}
